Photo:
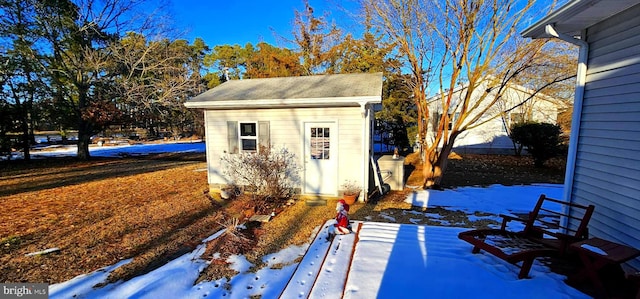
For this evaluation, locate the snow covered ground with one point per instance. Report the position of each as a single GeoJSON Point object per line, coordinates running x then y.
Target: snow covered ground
{"type": "Point", "coordinates": [386, 260]}
{"type": "Point", "coordinates": [121, 150]}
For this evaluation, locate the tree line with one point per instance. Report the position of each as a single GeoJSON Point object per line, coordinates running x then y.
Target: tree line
{"type": "Point", "coordinates": [88, 65]}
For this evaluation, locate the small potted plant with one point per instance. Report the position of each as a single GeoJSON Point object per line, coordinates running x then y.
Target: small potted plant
{"type": "Point", "coordinates": [350, 192]}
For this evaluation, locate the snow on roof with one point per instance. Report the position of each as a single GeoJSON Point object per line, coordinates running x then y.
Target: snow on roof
{"type": "Point", "coordinates": [304, 91]}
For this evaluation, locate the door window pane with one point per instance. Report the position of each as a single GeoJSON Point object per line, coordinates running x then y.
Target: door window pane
{"type": "Point", "coordinates": [320, 143]}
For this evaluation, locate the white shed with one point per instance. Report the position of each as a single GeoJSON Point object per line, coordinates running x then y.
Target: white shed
{"type": "Point", "coordinates": [299, 113]}
{"type": "Point", "coordinates": [603, 166]}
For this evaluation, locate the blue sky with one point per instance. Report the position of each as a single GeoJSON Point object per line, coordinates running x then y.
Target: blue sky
{"type": "Point", "coordinates": [221, 22]}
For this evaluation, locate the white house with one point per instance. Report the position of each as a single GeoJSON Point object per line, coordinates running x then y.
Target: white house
{"type": "Point", "coordinates": [325, 120]}
{"type": "Point", "coordinates": [491, 136]}
{"type": "Point", "coordinates": [603, 167]}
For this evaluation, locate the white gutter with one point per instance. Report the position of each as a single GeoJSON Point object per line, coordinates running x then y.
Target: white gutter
{"type": "Point", "coordinates": [281, 103]}
{"type": "Point", "coordinates": [581, 77]}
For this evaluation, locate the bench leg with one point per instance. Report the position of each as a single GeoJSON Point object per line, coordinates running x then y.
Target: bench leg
{"type": "Point", "coordinates": [524, 270]}
{"type": "Point", "coordinates": [590, 270]}
{"type": "Point", "coordinates": [475, 250]}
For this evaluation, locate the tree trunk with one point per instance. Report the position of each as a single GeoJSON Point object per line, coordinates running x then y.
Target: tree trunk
{"type": "Point", "coordinates": [24, 128]}
{"type": "Point", "coordinates": [427, 172]}
{"type": "Point", "coordinates": [436, 163]}
{"type": "Point", "coordinates": [84, 127]}
{"type": "Point", "coordinates": [84, 139]}
{"type": "Point", "coordinates": [26, 145]}
{"type": "Point", "coordinates": [517, 148]}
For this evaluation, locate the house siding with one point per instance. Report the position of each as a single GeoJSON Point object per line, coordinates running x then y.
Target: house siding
{"type": "Point", "coordinates": [491, 137]}
{"type": "Point", "coordinates": [286, 130]}
{"type": "Point", "coordinates": [607, 170]}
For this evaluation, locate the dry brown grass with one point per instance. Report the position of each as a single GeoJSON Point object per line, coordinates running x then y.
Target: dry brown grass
{"type": "Point", "coordinates": [98, 213]}
{"type": "Point", "coordinates": [484, 170]}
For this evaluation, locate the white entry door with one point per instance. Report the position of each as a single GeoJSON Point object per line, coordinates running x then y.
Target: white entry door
{"type": "Point", "coordinates": [320, 158]}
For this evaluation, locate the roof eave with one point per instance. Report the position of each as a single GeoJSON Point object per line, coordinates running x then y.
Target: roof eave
{"type": "Point", "coordinates": [577, 15]}
{"type": "Point", "coordinates": [537, 30]}
{"type": "Point", "coordinates": [285, 103]}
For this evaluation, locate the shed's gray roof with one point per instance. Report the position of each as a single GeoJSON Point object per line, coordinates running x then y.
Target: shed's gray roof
{"type": "Point", "coordinates": [305, 91]}
{"type": "Point", "coordinates": [577, 15]}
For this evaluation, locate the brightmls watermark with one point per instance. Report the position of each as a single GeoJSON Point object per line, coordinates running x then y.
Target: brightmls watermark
{"type": "Point", "coordinates": [24, 290]}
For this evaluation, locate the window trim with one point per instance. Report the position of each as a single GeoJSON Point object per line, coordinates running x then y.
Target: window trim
{"type": "Point", "coordinates": [241, 138]}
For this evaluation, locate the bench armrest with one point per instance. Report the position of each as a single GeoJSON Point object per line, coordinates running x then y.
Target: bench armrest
{"type": "Point", "coordinates": [507, 218]}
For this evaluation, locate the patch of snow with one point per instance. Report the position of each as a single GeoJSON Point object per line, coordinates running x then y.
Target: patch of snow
{"type": "Point", "coordinates": [239, 263]}
{"type": "Point", "coordinates": [413, 212]}
{"type": "Point", "coordinates": [594, 249]}
{"type": "Point", "coordinates": [286, 255]}
{"type": "Point", "coordinates": [83, 284]}
{"type": "Point", "coordinates": [495, 199]}
{"type": "Point", "coordinates": [433, 215]}
{"type": "Point", "coordinates": [490, 217]}
{"type": "Point", "coordinates": [387, 217]}
{"type": "Point", "coordinates": [415, 220]}
{"type": "Point", "coordinates": [442, 222]}
{"type": "Point", "coordinates": [120, 150]}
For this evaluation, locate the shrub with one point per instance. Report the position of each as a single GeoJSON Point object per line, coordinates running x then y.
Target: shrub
{"type": "Point", "coordinates": [542, 140]}
{"type": "Point", "coordinates": [271, 174]}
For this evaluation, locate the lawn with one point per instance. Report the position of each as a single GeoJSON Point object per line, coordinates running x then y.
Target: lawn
{"type": "Point", "coordinates": [155, 208]}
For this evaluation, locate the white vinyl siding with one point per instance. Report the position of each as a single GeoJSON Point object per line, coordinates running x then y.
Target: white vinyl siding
{"type": "Point", "coordinates": [607, 172]}
{"type": "Point", "coordinates": [491, 137]}
{"type": "Point", "coordinates": [286, 128]}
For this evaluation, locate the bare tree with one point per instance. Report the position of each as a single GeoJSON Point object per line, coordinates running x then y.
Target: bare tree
{"type": "Point", "coordinates": [79, 34]}
{"type": "Point", "coordinates": [457, 42]}
{"type": "Point", "coordinates": [314, 37]}
{"type": "Point", "coordinates": [155, 77]}
{"type": "Point", "coordinates": [407, 26]}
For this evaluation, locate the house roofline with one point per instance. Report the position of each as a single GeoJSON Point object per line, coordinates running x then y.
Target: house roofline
{"type": "Point", "coordinates": [510, 85]}
{"type": "Point", "coordinates": [577, 15]}
{"type": "Point", "coordinates": [356, 101]}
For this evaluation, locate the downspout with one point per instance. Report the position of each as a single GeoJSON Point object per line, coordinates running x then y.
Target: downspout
{"type": "Point", "coordinates": [365, 150]}
{"type": "Point", "coordinates": [581, 76]}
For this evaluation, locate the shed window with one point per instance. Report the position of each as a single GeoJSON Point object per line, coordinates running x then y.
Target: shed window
{"type": "Point", "coordinates": [248, 137]}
